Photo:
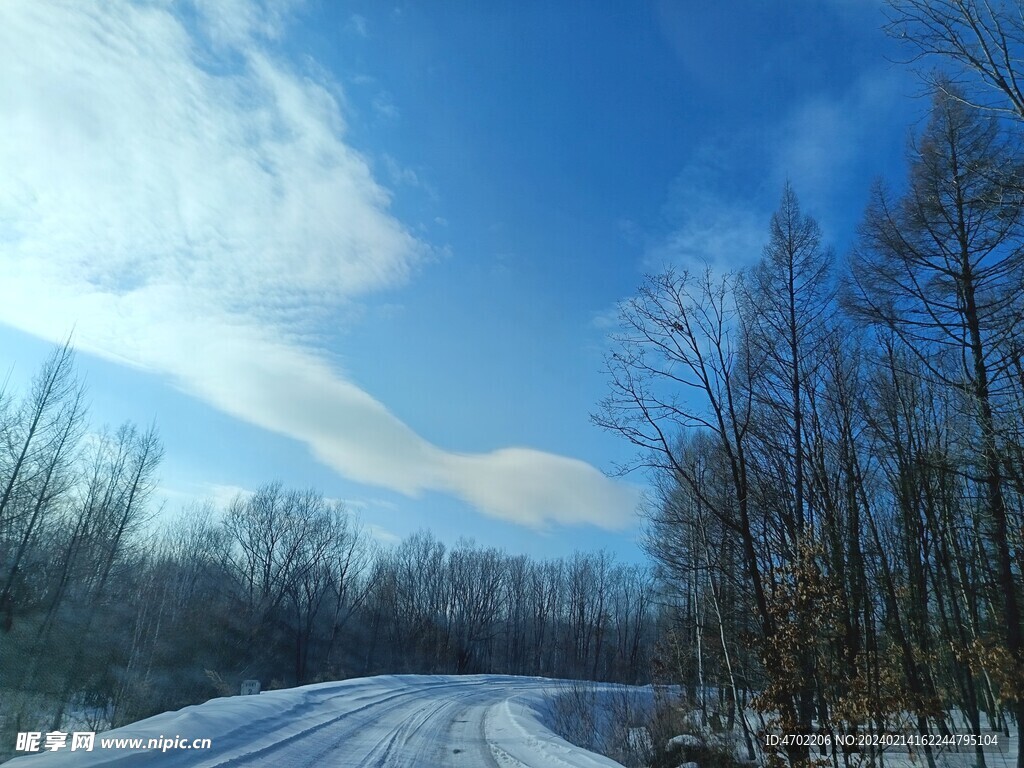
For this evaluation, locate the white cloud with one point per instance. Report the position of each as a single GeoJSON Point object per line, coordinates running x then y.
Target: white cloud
{"type": "Point", "coordinates": [194, 211]}
{"type": "Point", "coordinates": [361, 504]}
{"type": "Point", "coordinates": [359, 25]}
{"type": "Point", "coordinates": [711, 227]}
{"type": "Point", "coordinates": [606, 319]}
{"type": "Point", "coordinates": [218, 495]}
{"type": "Point", "coordinates": [826, 140]}
{"type": "Point", "coordinates": [222, 496]}
{"type": "Point", "coordinates": [719, 233]}
{"type": "Point", "coordinates": [234, 22]}
{"type": "Point", "coordinates": [384, 105]}
{"type": "Point", "coordinates": [821, 145]}
{"type": "Point", "coordinates": [382, 535]}
{"type": "Point", "coordinates": [399, 174]}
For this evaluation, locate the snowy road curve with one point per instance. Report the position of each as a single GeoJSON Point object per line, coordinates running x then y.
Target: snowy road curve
{"type": "Point", "coordinates": [485, 721]}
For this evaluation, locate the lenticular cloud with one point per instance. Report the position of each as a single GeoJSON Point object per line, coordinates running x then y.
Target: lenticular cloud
{"type": "Point", "coordinates": [188, 203]}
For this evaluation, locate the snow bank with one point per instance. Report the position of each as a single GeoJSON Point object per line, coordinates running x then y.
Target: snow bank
{"type": "Point", "coordinates": [392, 720]}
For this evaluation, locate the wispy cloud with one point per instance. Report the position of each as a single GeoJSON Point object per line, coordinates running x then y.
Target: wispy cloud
{"type": "Point", "coordinates": [826, 140]}
{"type": "Point", "coordinates": [194, 210]}
{"type": "Point", "coordinates": [710, 226]}
{"type": "Point", "coordinates": [359, 25]}
{"type": "Point", "coordinates": [236, 22]}
{"type": "Point", "coordinates": [384, 106]}
{"type": "Point", "coordinates": [403, 176]}
{"type": "Point", "coordinates": [822, 145]}
{"type": "Point", "coordinates": [222, 496]}
{"type": "Point", "coordinates": [382, 535]}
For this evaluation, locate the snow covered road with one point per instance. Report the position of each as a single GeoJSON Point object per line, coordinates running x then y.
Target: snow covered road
{"type": "Point", "coordinates": [490, 721]}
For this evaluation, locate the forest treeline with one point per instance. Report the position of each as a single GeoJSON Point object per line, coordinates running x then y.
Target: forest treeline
{"type": "Point", "coordinates": [110, 612]}
{"type": "Point", "coordinates": [838, 443]}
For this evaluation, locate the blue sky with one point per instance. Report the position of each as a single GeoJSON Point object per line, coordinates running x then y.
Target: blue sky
{"type": "Point", "coordinates": [377, 248]}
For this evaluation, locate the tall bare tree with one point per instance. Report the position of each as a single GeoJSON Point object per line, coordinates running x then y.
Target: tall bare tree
{"type": "Point", "coordinates": [982, 39]}
{"type": "Point", "coordinates": [941, 268]}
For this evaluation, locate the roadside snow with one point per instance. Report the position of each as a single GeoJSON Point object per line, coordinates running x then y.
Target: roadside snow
{"type": "Point", "coordinates": [402, 720]}
{"type": "Point", "coordinates": [684, 740]}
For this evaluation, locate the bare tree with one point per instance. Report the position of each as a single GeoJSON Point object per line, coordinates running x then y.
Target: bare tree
{"type": "Point", "coordinates": [680, 364]}
{"type": "Point", "coordinates": [940, 269]}
{"type": "Point", "coordinates": [787, 302]}
{"type": "Point", "coordinates": [37, 466]}
{"type": "Point", "coordinates": [352, 577]}
{"type": "Point", "coordinates": [983, 39]}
